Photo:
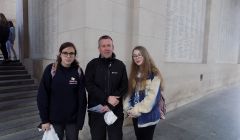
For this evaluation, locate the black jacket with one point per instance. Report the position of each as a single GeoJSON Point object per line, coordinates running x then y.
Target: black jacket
{"type": "Point", "coordinates": [62, 99]}
{"type": "Point", "coordinates": [106, 77]}
{"type": "Point", "coordinates": [4, 33]}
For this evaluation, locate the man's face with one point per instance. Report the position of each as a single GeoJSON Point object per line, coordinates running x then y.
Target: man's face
{"type": "Point", "coordinates": [106, 48]}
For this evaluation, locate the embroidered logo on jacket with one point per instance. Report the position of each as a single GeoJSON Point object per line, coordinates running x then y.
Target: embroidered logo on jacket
{"type": "Point", "coordinates": [72, 81]}
{"type": "Point", "coordinates": [114, 72]}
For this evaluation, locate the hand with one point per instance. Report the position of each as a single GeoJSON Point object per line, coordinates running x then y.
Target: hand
{"type": "Point", "coordinates": [46, 126]}
{"type": "Point", "coordinates": [105, 109]}
{"type": "Point", "coordinates": [132, 114]}
{"type": "Point", "coordinates": [113, 100]}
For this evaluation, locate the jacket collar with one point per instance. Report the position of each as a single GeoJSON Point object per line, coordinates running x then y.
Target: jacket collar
{"type": "Point", "coordinates": [108, 59]}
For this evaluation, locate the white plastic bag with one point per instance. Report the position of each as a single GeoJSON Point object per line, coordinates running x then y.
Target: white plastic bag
{"type": "Point", "coordinates": [110, 117]}
{"type": "Point", "coordinates": [50, 134]}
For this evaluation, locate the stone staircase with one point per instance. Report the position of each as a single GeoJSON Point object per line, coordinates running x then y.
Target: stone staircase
{"type": "Point", "coordinates": [18, 110]}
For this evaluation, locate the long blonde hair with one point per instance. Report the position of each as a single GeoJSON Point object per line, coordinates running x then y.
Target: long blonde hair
{"type": "Point", "coordinates": [147, 67]}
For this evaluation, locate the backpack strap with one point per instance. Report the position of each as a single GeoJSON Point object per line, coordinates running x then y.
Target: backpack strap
{"type": "Point", "coordinates": [162, 107]}
{"type": "Point", "coordinates": [79, 71]}
{"type": "Point", "coordinates": [53, 69]}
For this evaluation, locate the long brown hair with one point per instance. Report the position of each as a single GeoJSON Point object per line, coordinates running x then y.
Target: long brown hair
{"type": "Point", "coordinates": [75, 63]}
{"type": "Point", "coordinates": [3, 20]}
{"type": "Point", "coordinates": [147, 67]}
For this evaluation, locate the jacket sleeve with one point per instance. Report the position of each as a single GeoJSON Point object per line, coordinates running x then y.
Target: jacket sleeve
{"type": "Point", "coordinates": [146, 105]}
{"type": "Point", "coordinates": [43, 95]}
{"type": "Point", "coordinates": [82, 102]}
{"type": "Point", "coordinates": [92, 89]}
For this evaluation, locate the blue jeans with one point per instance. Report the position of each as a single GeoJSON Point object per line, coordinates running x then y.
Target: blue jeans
{"type": "Point", "coordinates": [9, 47]}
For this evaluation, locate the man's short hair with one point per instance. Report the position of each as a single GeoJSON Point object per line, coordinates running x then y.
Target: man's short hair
{"type": "Point", "coordinates": [103, 37]}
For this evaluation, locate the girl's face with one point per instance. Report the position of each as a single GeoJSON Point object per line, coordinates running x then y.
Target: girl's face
{"type": "Point", "coordinates": [137, 57]}
{"type": "Point", "coordinates": [67, 55]}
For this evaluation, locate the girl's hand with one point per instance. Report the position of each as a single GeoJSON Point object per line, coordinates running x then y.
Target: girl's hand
{"type": "Point", "coordinates": [46, 126]}
{"type": "Point", "coordinates": [132, 114]}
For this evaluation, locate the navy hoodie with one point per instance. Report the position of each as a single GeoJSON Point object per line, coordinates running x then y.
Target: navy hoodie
{"type": "Point", "coordinates": [62, 99]}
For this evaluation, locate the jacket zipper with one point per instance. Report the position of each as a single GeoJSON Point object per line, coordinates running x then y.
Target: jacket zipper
{"type": "Point", "coordinates": [108, 86]}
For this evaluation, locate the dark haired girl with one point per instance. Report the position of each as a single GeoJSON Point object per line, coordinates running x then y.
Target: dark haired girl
{"type": "Point", "coordinates": [61, 95]}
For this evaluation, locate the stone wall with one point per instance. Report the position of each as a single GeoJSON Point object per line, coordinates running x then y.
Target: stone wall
{"type": "Point", "coordinates": [8, 8]}
{"type": "Point", "coordinates": [187, 39]}
{"type": "Point", "coordinates": [194, 43]}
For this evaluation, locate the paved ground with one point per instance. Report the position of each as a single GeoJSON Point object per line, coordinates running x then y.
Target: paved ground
{"type": "Point", "coordinates": [214, 117]}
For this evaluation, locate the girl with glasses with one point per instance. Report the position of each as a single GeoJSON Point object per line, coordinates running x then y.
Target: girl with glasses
{"type": "Point", "coordinates": [144, 92]}
{"type": "Point", "coordinates": [61, 95]}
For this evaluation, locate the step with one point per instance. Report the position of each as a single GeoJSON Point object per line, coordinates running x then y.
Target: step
{"type": "Point", "coordinates": [19, 125]}
{"type": "Point", "coordinates": [9, 89]}
{"type": "Point", "coordinates": [12, 63]}
{"type": "Point", "coordinates": [7, 105]}
{"type": "Point", "coordinates": [12, 68]}
{"type": "Point", "coordinates": [12, 72]}
{"type": "Point", "coordinates": [28, 134]}
{"type": "Point", "coordinates": [15, 77]}
{"type": "Point", "coordinates": [19, 116]}
{"type": "Point", "coordinates": [37, 137]}
{"type": "Point", "coordinates": [16, 82]}
{"type": "Point", "coordinates": [23, 110]}
{"type": "Point", "coordinates": [30, 113]}
{"type": "Point", "coordinates": [17, 95]}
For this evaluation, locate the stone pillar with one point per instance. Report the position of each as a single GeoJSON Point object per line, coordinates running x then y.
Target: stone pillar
{"type": "Point", "coordinates": [22, 28]}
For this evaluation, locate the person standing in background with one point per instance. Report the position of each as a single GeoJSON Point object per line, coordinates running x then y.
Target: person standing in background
{"type": "Point", "coordinates": [4, 34]}
{"type": "Point", "coordinates": [10, 42]}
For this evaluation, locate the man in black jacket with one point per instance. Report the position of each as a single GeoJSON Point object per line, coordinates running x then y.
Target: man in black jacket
{"type": "Point", "coordinates": [106, 83]}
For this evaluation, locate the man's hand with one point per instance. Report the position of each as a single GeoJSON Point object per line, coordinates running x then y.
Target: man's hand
{"type": "Point", "coordinates": [105, 109]}
{"type": "Point", "coordinates": [113, 100]}
{"type": "Point", "coordinates": [46, 126]}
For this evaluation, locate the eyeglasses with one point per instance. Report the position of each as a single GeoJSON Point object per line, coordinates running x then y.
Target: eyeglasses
{"type": "Point", "coordinates": [66, 54]}
{"type": "Point", "coordinates": [137, 56]}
